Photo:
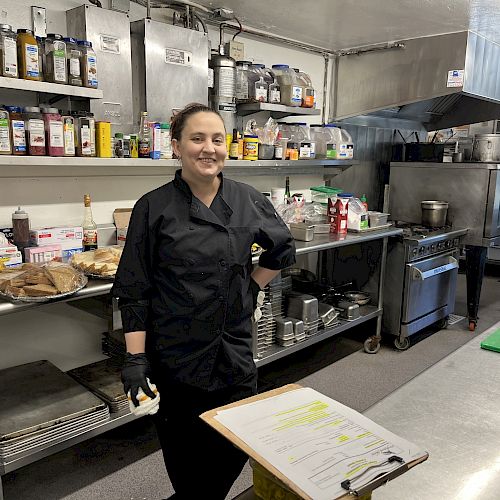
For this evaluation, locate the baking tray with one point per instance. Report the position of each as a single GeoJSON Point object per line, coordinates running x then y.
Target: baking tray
{"type": "Point", "coordinates": [370, 229]}
{"type": "Point", "coordinates": [40, 396]}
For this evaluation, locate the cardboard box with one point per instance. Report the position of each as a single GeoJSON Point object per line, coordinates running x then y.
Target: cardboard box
{"type": "Point", "coordinates": [55, 235]}
{"type": "Point", "coordinates": [7, 232]}
{"type": "Point", "coordinates": [11, 258]}
{"type": "Point", "coordinates": [40, 255]}
{"type": "Point", "coordinates": [121, 216]}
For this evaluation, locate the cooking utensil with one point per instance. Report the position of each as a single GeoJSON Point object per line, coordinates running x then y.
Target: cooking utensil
{"type": "Point", "coordinates": [486, 147]}
{"type": "Point", "coordinates": [360, 298]}
{"type": "Point", "coordinates": [434, 213]}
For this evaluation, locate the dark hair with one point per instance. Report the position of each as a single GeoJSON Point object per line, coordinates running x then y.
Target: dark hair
{"type": "Point", "coordinates": [180, 119]}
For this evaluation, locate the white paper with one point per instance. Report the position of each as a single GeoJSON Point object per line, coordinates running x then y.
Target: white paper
{"type": "Point", "coordinates": [316, 441]}
{"type": "Point", "coordinates": [455, 78]}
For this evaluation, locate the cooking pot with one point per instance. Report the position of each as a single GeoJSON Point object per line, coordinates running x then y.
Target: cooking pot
{"type": "Point", "coordinates": [486, 147]}
{"type": "Point", "coordinates": [434, 213]}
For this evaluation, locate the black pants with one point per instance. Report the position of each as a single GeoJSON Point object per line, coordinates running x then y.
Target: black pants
{"type": "Point", "coordinates": [201, 463]}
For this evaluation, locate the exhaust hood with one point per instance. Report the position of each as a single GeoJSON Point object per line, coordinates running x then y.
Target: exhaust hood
{"type": "Point", "coordinates": [434, 82]}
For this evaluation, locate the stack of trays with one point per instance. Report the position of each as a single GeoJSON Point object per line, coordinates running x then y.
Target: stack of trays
{"type": "Point", "coordinates": [304, 307]}
{"type": "Point", "coordinates": [41, 406]}
{"type": "Point", "coordinates": [103, 379]}
{"type": "Point", "coordinates": [263, 330]}
{"type": "Point", "coordinates": [289, 331]}
{"type": "Point", "coordinates": [113, 345]}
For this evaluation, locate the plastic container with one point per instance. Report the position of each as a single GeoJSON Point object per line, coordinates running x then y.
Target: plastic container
{"type": "Point", "coordinates": [54, 131]}
{"type": "Point", "coordinates": [69, 135]}
{"type": "Point", "coordinates": [242, 76]}
{"type": "Point", "coordinates": [28, 56]}
{"type": "Point", "coordinates": [338, 213]}
{"type": "Point", "coordinates": [250, 147]}
{"type": "Point", "coordinates": [257, 85]}
{"type": "Point", "coordinates": [165, 141]}
{"type": "Point", "coordinates": [35, 131]}
{"type": "Point", "coordinates": [5, 142]}
{"type": "Point", "coordinates": [290, 86]}
{"type": "Point", "coordinates": [40, 41]}
{"type": "Point", "coordinates": [17, 131]}
{"type": "Point", "coordinates": [73, 54]}
{"type": "Point", "coordinates": [83, 133]}
{"type": "Point", "coordinates": [88, 64]}
{"type": "Point", "coordinates": [103, 140]}
{"type": "Point", "coordinates": [320, 194]}
{"type": "Point", "coordinates": [274, 93]}
{"type": "Point", "coordinates": [134, 146]}
{"type": "Point", "coordinates": [21, 229]}
{"type": "Point", "coordinates": [118, 146]}
{"type": "Point", "coordinates": [54, 59]}
{"type": "Point", "coordinates": [292, 151]}
{"type": "Point", "coordinates": [308, 100]}
{"type": "Point", "coordinates": [377, 218]}
{"type": "Point", "coordinates": [126, 146]}
{"type": "Point", "coordinates": [8, 52]}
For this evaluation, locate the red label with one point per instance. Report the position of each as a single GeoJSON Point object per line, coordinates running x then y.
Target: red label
{"type": "Point", "coordinates": [48, 235]}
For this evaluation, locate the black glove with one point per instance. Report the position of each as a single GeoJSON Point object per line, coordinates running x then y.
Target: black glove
{"type": "Point", "coordinates": [134, 372]}
{"type": "Point", "coordinates": [254, 289]}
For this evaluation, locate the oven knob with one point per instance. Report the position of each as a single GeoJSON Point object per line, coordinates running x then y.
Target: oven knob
{"type": "Point", "coordinates": [421, 251]}
{"type": "Point", "coordinates": [456, 242]}
{"type": "Point", "coordinates": [449, 243]}
{"type": "Point", "coordinates": [433, 248]}
{"type": "Point", "coordinates": [440, 245]}
{"type": "Point", "coordinates": [415, 251]}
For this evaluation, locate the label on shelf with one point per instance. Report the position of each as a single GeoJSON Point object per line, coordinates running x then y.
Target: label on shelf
{"type": "Point", "coordinates": [31, 58]}
{"type": "Point", "coordinates": [9, 57]}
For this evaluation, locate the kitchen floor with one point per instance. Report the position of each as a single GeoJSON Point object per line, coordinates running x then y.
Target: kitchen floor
{"type": "Point", "coordinates": [401, 387]}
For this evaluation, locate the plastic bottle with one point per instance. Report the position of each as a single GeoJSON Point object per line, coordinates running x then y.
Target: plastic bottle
{"type": "Point", "coordinates": [35, 131]}
{"type": "Point", "coordinates": [88, 64]}
{"type": "Point", "coordinates": [155, 151]}
{"type": "Point", "coordinates": [242, 70]}
{"type": "Point", "coordinates": [346, 147]}
{"type": "Point", "coordinates": [165, 141]}
{"type": "Point", "coordinates": [308, 100]}
{"type": "Point", "coordinates": [274, 93]}
{"type": "Point", "coordinates": [233, 147]}
{"type": "Point", "coordinates": [17, 131]}
{"type": "Point", "coordinates": [144, 136]}
{"type": "Point", "coordinates": [278, 147]}
{"type": "Point", "coordinates": [290, 87]}
{"type": "Point", "coordinates": [364, 202]}
{"type": "Point", "coordinates": [8, 51]}
{"type": "Point", "coordinates": [21, 229]}
{"type": "Point", "coordinates": [73, 54]}
{"type": "Point", "coordinates": [54, 59]}
{"type": "Point", "coordinates": [69, 135]}
{"type": "Point", "coordinates": [27, 55]}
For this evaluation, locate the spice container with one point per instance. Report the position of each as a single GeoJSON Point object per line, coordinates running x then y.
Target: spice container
{"type": "Point", "coordinates": [292, 151]}
{"type": "Point", "coordinates": [88, 64]}
{"type": "Point", "coordinates": [250, 147]}
{"type": "Point", "coordinates": [69, 135]}
{"type": "Point", "coordinates": [17, 130]}
{"type": "Point", "coordinates": [54, 60]}
{"type": "Point", "coordinates": [103, 139]}
{"type": "Point", "coordinates": [8, 51]}
{"type": "Point", "coordinates": [118, 149]}
{"type": "Point", "coordinates": [134, 146]}
{"type": "Point", "coordinates": [83, 133]}
{"type": "Point", "coordinates": [126, 146]}
{"type": "Point", "coordinates": [35, 131]}
{"type": "Point", "coordinates": [40, 42]}
{"type": "Point", "coordinates": [73, 55]}
{"type": "Point", "coordinates": [290, 87]}
{"type": "Point", "coordinates": [90, 116]}
{"type": "Point", "coordinates": [165, 141]}
{"type": "Point", "coordinates": [5, 145]}
{"type": "Point", "coordinates": [54, 131]}
{"type": "Point", "coordinates": [27, 55]}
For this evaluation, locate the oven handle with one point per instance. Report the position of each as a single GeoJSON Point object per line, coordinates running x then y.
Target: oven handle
{"type": "Point", "coordinates": [423, 275]}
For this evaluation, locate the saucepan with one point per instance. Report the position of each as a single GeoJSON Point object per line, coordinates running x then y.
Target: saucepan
{"type": "Point", "coordinates": [434, 213]}
{"type": "Point", "coordinates": [360, 298]}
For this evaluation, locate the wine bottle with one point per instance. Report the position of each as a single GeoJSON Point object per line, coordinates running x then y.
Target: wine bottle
{"type": "Point", "coordinates": [89, 226]}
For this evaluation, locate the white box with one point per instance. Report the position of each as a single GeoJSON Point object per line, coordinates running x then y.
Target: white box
{"type": "Point", "coordinates": [10, 259]}
{"type": "Point", "coordinates": [55, 235]}
{"type": "Point", "coordinates": [121, 217]}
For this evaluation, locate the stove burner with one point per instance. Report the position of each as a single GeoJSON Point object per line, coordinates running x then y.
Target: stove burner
{"type": "Point", "coordinates": [412, 229]}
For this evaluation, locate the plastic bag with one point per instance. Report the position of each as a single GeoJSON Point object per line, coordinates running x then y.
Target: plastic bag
{"type": "Point", "coordinates": [357, 215]}
{"type": "Point", "coordinates": [268, 133]}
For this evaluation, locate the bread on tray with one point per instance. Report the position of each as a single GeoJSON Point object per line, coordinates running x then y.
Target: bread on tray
{"type": "Point", "coordinates": [100, 262]}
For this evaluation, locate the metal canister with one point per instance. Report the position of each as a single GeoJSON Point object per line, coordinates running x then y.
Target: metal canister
{"type": "Point", "coordinates": [223, 95]}
{"type": "Point", "coordinates": [103, 139]}
{"type": "Point", "coordinates": [250, 147]}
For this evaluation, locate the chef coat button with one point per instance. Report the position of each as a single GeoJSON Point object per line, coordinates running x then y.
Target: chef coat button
{"type": "Point", "coordinates": [222, 262]}
{"type": "Point", "coordinates": [191, 228]}
{"type": "Point", "coordinates": [221, 297]}
{"type": "Point", "coordinates": [186, 327]}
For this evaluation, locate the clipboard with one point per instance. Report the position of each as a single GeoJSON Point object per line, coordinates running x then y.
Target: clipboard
{"type": "Point", "coordinates": [209, 418]}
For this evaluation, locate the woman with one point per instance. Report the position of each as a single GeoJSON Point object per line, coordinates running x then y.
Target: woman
{"type": "Point", "coordinates": [187, 290]}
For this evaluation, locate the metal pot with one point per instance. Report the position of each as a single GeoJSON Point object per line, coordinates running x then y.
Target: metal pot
{"type": "Point", "coordinates": [486, 147]}
{"type": "Point", "coordinates": [434, 213]}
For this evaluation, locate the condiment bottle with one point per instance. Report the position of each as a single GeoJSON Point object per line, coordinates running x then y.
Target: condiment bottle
{"type": "Point", "coordinates": [118, 149]}
{"type": "Point", "coordinates": [35, 131]}
{"type": "Point", "coordinates": [27, 55]}
{"type": "Point", "coordinates": [83, 134]}
{"type": "Point", "coordinates": [233, 147]}
{"type": "Point", "coordinates": [144, 136]}
{"type": "Point", "coordinates": [21, 229]}
{"type": "Point", "coordinates": [89, 226]}
{"type": "Point", "coordinates": [364, 202]}
{"type": "Point", "coordinates": [55, 59]}
{"type": "Point", "coordinates": [17, 130]}
{"type": "Point", "coordinates": [5, 144]}
{"type": "Point", "coordinates": [8, 51]}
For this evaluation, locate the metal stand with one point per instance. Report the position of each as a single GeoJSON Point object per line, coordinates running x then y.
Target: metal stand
{"type": "Point", "coordinates": [475, 260]}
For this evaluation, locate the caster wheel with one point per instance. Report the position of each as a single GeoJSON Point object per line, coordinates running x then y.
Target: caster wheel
{"type": "Point", "coordinates": [472, 325]}
{"type": "Point", "coordinates": [371, 346]}
{"type": "Point", "coordinates": [443, 323]}
{"type": "Point", "coordinates": [401, 344]}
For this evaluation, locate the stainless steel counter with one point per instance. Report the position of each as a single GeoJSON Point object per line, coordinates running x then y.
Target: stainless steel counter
{"type": "Point", "coordinates": [447, 165]}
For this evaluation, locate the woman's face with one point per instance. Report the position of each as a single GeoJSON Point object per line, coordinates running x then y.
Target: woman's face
{"type": "Point", "coordinates": [202, 146]}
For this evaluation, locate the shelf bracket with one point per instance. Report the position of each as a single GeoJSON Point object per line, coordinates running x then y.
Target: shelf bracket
{"type": "Point", "coordinates": [39, 18]}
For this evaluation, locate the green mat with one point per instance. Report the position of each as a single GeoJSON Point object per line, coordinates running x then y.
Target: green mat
{"type": "Point", "coordinates": [492, 342]}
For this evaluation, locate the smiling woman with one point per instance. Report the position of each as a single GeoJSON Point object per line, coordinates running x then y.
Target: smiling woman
{"type": "Point", "coordinates": [187, 291]}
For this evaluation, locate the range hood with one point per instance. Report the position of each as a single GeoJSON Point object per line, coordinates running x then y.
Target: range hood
{"type": "Point", "coordinates": [434, 82]}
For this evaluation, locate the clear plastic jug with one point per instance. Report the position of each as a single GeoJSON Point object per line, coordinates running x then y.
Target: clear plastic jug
{"type": "Point", "coordinates": [290, 86]}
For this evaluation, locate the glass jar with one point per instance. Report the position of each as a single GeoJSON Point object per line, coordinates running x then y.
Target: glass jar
{"type": "Point", "coordinates": [27, 55]}
{"type": "Point", "coordinates": [69, 135]}
{"type": "Point", "coordinates": [73, 56]}
{"type": "Point", "coordinates": [242, 70]}
{"type": "Point", "coordinates": [54, 131]}
{"type": "Point", "coordinates": [35, 131]}
{"type": "Point", "coordinates": [8, 51]}
{"type": "Point", "coordinates": [88, 64]}
{"type": "Point", "coordinates": [54, 60]}
{"type": "Point", "coordinates": [17, 130]}
{"type": "Point", "coordinates": [5, 145]}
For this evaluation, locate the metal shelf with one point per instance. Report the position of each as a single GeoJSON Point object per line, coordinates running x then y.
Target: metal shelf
{"type": "Point", "coordinates": [114, 421]}
{"type": "Point", "coordinates": [44, 166]}
{"type": "Point", "coordinates": [276, 352]}
{"type": "Point", "coordinates": [276, 110]}
{"type": "Point", "coordinates": [49, 88]}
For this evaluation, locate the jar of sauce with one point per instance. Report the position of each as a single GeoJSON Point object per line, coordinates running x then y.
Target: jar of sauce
{"type": "Point", "coordinates": [27, 55]}
{"type": "Point", "coordinates": [17, 130]}
{"type": "Point", "coordinates": [54, 131]}
{"type": "Point", "coordinates": [8, 51]}
{"type": "Point", "coordinates": [35, 131]}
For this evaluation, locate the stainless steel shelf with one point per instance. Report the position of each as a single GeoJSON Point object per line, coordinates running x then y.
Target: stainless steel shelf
{"type": "Point", "coordinates": [46, 166]}
{"type": "Point", "coordinates": [276, 110]}
{"type": "Point", "coordinates": [276, 352]}
{"type": "Point", "coordinates": [49, 88]}
{"type": "Point", "coordinates": [115, 421]}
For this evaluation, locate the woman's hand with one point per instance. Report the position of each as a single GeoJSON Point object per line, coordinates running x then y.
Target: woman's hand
{"type": "Point", "coordinates": [135, 372]}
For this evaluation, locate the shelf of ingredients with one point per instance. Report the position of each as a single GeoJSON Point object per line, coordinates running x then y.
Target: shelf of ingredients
{"type": "Point", "coordinates": [277, 110]}
{"type": "Point", "coordinates": [320, 242]}
{"type": "Point", "coordinates": [42, 452]}
{"type": "Point", "coordinates": [43, 166]}
{"type": "Point", "coordinates": [49, 88]}
{"type": "Point", "coordinates": [276, 352]}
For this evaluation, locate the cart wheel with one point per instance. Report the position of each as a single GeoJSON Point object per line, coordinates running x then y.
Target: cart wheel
{"type": "Point", "coordinates": [401, 344]}
{"type": "Point", "coordinates": [443, 323]}
{"type": "Point", "coordinates": [371, 345]}
{"type": "Point", "coordinates": [472, 325]}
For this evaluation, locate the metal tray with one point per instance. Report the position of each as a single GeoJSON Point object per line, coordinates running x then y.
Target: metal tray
{"type": "Point", "coordinates": [369, 229]}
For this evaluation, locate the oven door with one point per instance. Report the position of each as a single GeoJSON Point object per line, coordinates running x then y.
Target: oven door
{"type": "Point", "coordinates": [430, 285]}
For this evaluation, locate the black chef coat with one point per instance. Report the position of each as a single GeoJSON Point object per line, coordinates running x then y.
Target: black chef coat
{"type": "Point", "coordinates": [184, 278]}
